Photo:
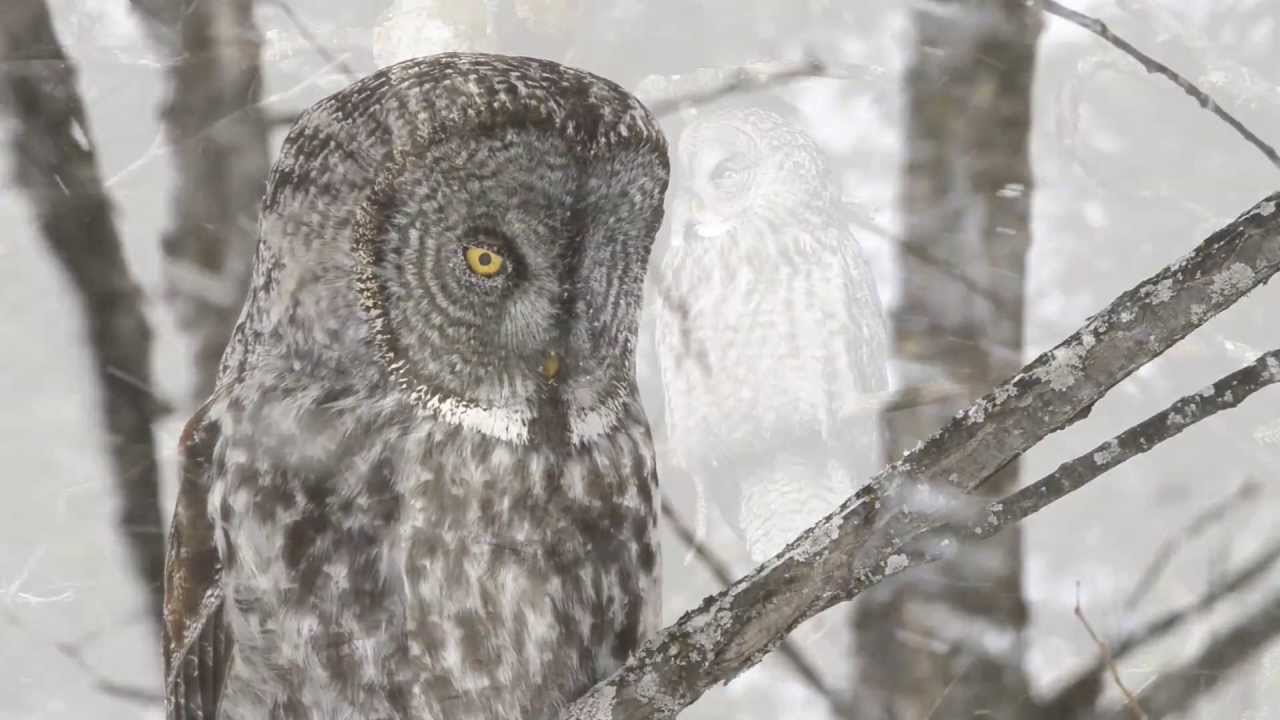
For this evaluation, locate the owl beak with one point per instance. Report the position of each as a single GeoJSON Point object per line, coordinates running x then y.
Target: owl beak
{"type": "Point", "coordinates": [551, 366]}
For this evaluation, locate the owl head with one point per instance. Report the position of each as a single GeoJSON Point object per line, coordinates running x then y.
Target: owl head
{"type": "Point", "coordinates": [744, 166]}
{"type": "Point", "coordinates": [473, 228]}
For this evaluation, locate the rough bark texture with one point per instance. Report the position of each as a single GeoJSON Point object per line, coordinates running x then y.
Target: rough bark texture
{"type": "Point", "coordinates": [946, 641]}
{"type": "Point", "coordinates": [862, 542]}
{"type": "Point", "coordinates": [56, 168]}
{"type": "Point", "coordinates": [219, 138]}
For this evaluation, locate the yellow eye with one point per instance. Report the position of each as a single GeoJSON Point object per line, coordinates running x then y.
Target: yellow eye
{"type": "Point", "coordinates": [483, 261]}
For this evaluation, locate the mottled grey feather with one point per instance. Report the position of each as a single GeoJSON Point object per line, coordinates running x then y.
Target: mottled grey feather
{"type": "Point", "coordinates": [411, 519]}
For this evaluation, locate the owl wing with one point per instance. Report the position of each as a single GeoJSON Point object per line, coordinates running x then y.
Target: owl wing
{"type": "Point", "coordinates": [197, 644]}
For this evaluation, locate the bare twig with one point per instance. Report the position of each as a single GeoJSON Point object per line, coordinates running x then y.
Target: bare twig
{"type": "Point", "coordinates": [1107, 660]}
{"type": "Point", "coordinates": [1077, 698]}
{"type": "Point", "coordinates": [862, 220]}
{"type": "Point", "coordinates": [1206, 519]}
{"type": "Point", "coordinates": [1151, 65]}
{"type": "Point", "coordinates": [57, 169]}
{"type": "Point", "coordinates": [1172, 691]}
{"type": "Point", "coordinates": [101, 683]}
{"type": "Point", "coordinates": [720, 570]}
{"type": "Point", "coordinates": [859, 544]}
{"type": "Point", "coordinates": [741, 80]}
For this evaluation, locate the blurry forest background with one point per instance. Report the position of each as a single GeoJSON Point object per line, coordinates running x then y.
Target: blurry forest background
{"type": "Point", "coordinates": [1091, 175]}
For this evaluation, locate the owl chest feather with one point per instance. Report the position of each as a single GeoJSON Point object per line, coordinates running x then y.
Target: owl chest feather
{"type": "Point", "coordinates": [432, 572]}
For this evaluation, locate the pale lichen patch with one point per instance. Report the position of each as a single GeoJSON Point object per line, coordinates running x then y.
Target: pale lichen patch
{"type": "Point", "coordinates": [896, 563]}
{"type": "Point", "coordinates": [1235, 280]}
{"type": "Point", "coordinates": [1106, 453]}
{"type": "Point", "coordinates": [1066, 364]}
{"type": "Point", "coordinates": [597, 705]}
{"type": "Point", "coordinates": [1160, 293]}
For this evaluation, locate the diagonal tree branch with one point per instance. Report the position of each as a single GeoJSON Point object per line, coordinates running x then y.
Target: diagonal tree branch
{"type": "Point", "coordinates": [720, 570]}
{"type": "Point", "coordinates": [856, 546]}
{"type": "Point", "coordinates": [1151, 65]}
{"type": "Point", "coordinates": [57, 169]}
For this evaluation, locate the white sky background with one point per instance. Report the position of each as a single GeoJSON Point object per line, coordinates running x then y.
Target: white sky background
{"type": "Point", "coordinates": [63, 578]}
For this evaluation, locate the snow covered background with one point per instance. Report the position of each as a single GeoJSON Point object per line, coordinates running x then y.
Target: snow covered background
{"type": "Point", "coordinates": [1130, 175]}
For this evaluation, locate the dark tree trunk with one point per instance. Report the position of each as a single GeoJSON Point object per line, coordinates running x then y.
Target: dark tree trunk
{"type": "Point", "coordinates": [218, 133]}
{"type": "Point", "coordinates": [55, 166]}
{"type": "Point", "coordinates": [947, 641]}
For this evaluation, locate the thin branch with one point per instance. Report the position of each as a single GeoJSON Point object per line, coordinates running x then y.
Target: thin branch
{"type": "Point", "coordinates": [720, 570]}
{"type": "Point", "coordinates": [1172, 692]}
{"type": "Point", "coordinates": [1226, 393]}
{"type": "Point", "coordinates": [858, 545]}
{"type": "Point", "coordinates": [1151, 65]}
{"type": "Point", "coordinates": [1109, 661]}
{"type": "Point", "coordinates": [742, 80]}
{"type": "Point", "coordinates": [1206, 519]}
{"type": "Point", "coordinates": [56, 168]}
{"type": "Point", "coordinates": [865, 222]}
{"type": "Point", "coordinates": [100, 682]}
{"type": "Point", "coordinates": [1078, 697]}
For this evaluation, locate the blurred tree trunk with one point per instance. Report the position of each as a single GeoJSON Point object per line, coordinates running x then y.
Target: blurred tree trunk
{"type": "Point", "coordinates": [218, 133]}
{"type": "Point", "coordinates": [947, 641]}
{"type": "Point", "coordinates": [56, 168]}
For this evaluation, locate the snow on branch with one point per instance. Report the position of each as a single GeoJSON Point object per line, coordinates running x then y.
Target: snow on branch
{"type": "Point", "coordinates": [862, 542]}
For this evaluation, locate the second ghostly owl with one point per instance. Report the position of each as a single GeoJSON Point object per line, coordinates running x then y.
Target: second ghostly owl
{"type": "Point", "coordinates": [424, 487]}
{"type": "Point", "coordinates": [769, 331]}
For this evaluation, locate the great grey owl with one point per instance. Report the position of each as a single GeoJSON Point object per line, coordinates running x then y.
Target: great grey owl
{"type": "Point", "coordinates": [424, 486]}
{"type": "Point", "coordinates": [769, 332]}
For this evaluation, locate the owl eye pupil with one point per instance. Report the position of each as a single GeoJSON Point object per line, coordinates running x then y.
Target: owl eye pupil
{"type": "Point", "coordinates": [483, 262]}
